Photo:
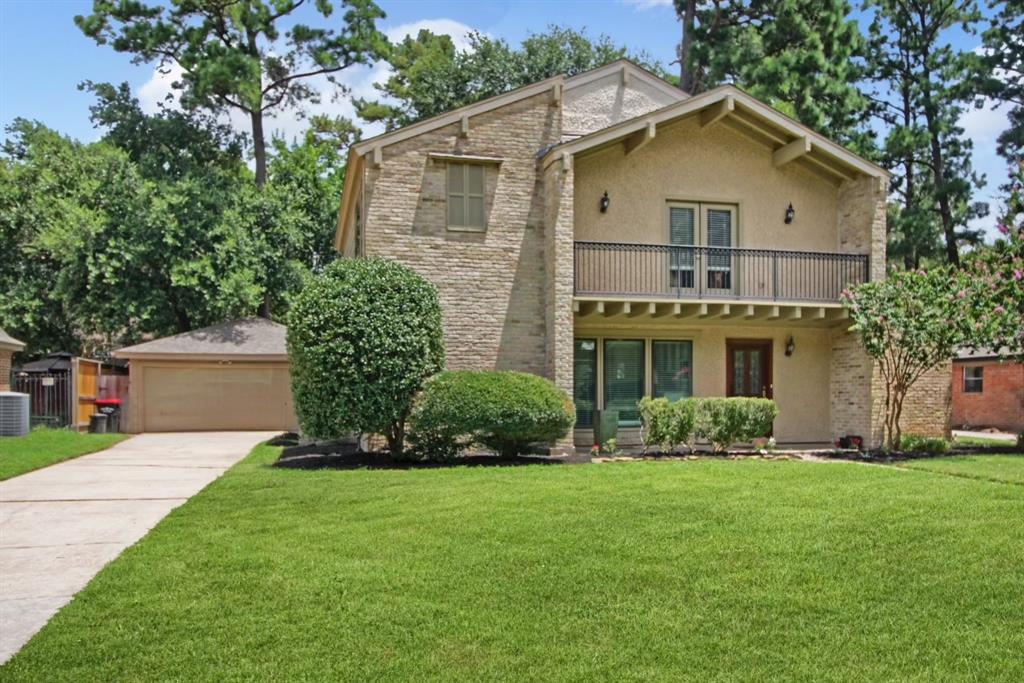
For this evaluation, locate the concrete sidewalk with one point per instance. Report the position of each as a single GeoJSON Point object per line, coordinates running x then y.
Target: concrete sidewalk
{"type": "Point", "coordinates": [60, 525]}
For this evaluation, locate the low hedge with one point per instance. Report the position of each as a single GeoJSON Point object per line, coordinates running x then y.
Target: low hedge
{"type": "Point", "coordinates": [720, 421]}
{"type": "Point", "coordinates": [501, 410]}
{"type": "Point", "coordinates": [667, 424]}
{"type": "Point", "coordinates": [915, 443]}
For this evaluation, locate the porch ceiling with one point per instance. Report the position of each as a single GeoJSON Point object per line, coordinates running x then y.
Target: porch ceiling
{"type": "Point", "coordinates": [610, 310]}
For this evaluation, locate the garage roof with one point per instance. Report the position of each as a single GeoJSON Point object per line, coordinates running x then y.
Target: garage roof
{"type": "Point", "coordinates": [241, 339]}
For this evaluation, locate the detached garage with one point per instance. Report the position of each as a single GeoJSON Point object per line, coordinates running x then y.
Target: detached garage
{"type": "Point", "coordinates": [232, 376]}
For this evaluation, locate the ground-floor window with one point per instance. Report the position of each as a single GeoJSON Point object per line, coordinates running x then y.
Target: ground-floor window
{"type": "Point", "coordinates": [672, 366]}
{"type": "Point", "coordinates": [614, 374]}
{"type": "Point", "coordinates": [584, 393]}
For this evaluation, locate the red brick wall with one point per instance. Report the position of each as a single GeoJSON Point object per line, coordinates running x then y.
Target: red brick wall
{"type": "Point", "coordinates": [1001, 401]}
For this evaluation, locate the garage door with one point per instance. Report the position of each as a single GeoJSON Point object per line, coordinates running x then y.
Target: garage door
{"type": "Point", "coordinates": [208, 397]}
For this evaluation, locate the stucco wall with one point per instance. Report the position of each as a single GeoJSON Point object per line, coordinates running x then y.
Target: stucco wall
{"type": "Point", "coordinates": [685, 162]}
{"type": "Point", "coordinates": [492, 284]}
{"type": "Point", "coordinates": [800, 382]}
{"type": "Point", "coordinates": [606, 101]}
{"type": "Point", "coordinates": [1001, 401]}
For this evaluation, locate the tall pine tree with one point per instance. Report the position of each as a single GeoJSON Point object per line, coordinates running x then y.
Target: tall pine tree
{"type": "Point", "coordinates": [923, 87]}
{"type": "Point", "coordinates": [805, 57]}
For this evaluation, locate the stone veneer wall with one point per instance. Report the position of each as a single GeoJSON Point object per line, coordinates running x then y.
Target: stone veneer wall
{"type": "Point", "coordinates": [493, 283]}
{"type": "Point", "coordinates": [5, 370]}
{"type": "Point", "coordinates": [861, 221]}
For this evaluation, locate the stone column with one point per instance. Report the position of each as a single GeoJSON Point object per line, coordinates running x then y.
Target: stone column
{"type": "Point", "coordinates": [558, 245]}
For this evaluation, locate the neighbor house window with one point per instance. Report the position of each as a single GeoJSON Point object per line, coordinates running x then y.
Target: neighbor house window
{"type": "Point", "coordinates": [973, 380]}
{"type": "Point", "coordinates": [672, 366]}
{"type": "Point", "coordinates": [465, 196]}
{"type": "Point", "coordinates": [584, 393]}
{"type": "Point", "coordinates": [624, 379]}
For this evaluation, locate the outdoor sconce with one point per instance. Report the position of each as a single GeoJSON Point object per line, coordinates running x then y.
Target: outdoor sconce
{"type": "Point", "coordinates": [790, 346]}
{"type": "Point", "coordinates": [790, 213]}
{"type": "Point", "coordinates": [604, 202]}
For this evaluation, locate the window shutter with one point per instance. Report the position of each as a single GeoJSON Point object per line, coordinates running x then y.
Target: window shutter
{"type": "Point", "coordinates": [466, 196]}
{"type": "Point", "coordinates": [673, 369]}
{"type": "Point", "coordinates": [624, 379]}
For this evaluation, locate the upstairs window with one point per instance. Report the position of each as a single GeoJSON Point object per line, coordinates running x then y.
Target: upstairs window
{"type": "Point", "coordinates": [973, 380]}
{"type": "Point", "coordinates": [465, 196]}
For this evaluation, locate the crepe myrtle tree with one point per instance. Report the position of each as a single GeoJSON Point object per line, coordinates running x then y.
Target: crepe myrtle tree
{"type": "Point", "coordinates": [904, 325]}
{"type": "Point", "coordinates": [996, 282]}
{"type": "Point", "coordinates": [362, 338]}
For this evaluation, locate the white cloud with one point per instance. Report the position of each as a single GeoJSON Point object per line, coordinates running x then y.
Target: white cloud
{"type": "Point", "coordinates": [289, 123]}
{"type": "Point", "coordinates": [458, 31]}
{"type": "Point", "coordinates": [643, 5]}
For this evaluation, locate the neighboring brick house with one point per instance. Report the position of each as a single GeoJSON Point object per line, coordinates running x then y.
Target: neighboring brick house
{"type": "Point", "coordinates": [8, 347]}
{"type": "Point", "coordinates": [988, 392]}
{"type": "Point", "coordinates": [622, 238]}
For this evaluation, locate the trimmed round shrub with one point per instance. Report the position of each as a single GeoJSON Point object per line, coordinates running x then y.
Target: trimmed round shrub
{"type": "Point", "coordinates": [362, 338]}
{"type": "Point", "coordinates": [501, 410]}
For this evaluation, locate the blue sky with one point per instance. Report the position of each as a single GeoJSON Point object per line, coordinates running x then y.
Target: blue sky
{"type": "Point", "coordinates": [43, 56]}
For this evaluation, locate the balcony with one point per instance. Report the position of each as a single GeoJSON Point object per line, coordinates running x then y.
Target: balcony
{"type": "Point", "coordinates": [668, 272]}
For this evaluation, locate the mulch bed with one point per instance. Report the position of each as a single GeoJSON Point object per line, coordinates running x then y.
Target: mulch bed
{"type": "Point", "coordinates": [899, 456]}
{"type": "Point", "coordinates": [345, 455]}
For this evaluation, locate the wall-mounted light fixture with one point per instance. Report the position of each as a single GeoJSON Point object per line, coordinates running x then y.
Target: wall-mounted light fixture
{"type": "Point", "coordinates": [790, 346]}
{"type": "Point", "coordinates": [790, 214]}
{"type": "Point", "coordinates": [604, 202]}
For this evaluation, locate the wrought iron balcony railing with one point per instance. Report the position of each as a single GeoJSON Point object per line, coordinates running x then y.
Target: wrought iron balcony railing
{"type": "Point", "coordinates": [675, 272]}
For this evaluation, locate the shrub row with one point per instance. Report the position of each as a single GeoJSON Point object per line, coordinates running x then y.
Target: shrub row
{"type": "Point", "coordinates": [915, 443]}
{"type": "Point", "coordinates": [721, 421]}
{"type": "Point", "coordinates": [503, 411]}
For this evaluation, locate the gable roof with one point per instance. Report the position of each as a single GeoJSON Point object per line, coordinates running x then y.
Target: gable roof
{"type": "Point", "coordinates": [9, 343]}
{"type": "Point", "coordinates": [244, 339]}
{"type": "Point", "coordinates": [559, 82]}
{"type": "Point", "coordinates": [730, 104]}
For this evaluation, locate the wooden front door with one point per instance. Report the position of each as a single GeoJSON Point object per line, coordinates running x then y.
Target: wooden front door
{"type": "Point", "coordinates": [749, 367]}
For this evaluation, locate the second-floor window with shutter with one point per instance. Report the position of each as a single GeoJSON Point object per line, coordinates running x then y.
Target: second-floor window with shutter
{"type": "Point", "coordinates": [466, 196]}
{"type": "Point", "coordinates": [701, 237]}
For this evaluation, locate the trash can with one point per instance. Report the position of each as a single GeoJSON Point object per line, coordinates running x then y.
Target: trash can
{"type": "Point", "coordinates": [111, 407]}
{"type": "Point", "coordinates": [97, 423]}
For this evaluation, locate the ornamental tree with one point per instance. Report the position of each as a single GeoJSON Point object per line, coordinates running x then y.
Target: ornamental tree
{"type": "Point", "coordinates": [362, 338]}
{"type": "Point", "coordinates": [906, 324]}
{"type": "Point", "coordinates": [996, 281]}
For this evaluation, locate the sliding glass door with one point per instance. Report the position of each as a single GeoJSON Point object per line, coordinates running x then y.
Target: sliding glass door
{"type": "Point", "coordinates": [624, 378]}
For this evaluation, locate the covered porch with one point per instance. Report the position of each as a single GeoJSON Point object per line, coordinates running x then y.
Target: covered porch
{"type": "Point", "coordinates": [624, 350]}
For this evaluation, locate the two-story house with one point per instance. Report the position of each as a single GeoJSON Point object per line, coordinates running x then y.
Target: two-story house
{"type": "Point", "coordinates": [624, 239]}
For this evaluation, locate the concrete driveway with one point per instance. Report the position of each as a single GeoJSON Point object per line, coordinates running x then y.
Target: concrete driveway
{"type": "Point", "coordinates": [60, 525]}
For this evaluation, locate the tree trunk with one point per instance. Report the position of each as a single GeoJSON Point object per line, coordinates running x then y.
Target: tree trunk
{"type": "Point", "coordinates": [396, 439]}
{"type": "Point", "coordinates": [687, 81]}
{"type": "Point", "coordinates": [259, 145]}
{"type": "Point", "coordinates": [931, 117]}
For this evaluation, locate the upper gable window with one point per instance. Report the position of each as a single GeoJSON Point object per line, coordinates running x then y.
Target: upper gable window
{"type": "Point", "coordinates": [466, 196]}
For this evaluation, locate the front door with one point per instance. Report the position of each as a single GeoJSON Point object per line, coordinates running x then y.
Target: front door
{"type": "Point", "coordinates": [749, 367]}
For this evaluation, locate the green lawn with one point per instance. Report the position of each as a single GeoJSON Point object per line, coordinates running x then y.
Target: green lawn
{"type": "Point", "coordinates": [705, 570]}
{"type": "Point", "coordinates": [979, 441]}
{"type": "Point", "coordinates": [42, 447]}
{"type": "Point", "coordinates": [1003, 468]}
